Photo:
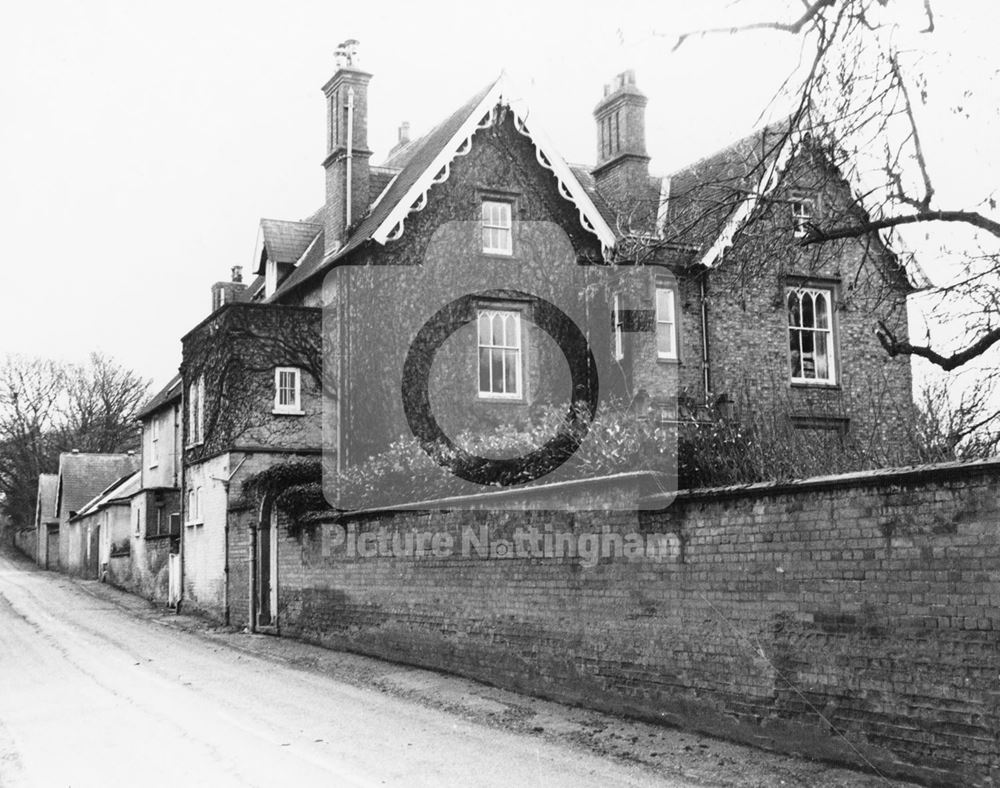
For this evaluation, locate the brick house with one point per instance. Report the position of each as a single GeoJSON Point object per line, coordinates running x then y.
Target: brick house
{"type": "Point", "coordinates": [251, 399]}
{"type": "Point", "coordinates": [141, 548]}
{"type": "Point", "coordinates": [723, 318]}
{"type": "Point", "coordinates": [82, 476]}
{"type": "Point", "coordinates": [104, 524]}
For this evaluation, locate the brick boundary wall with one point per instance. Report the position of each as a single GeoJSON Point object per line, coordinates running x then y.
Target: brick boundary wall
{"type": "Point", "coordinates": [852, 618]}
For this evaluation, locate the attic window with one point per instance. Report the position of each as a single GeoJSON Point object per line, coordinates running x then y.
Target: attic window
{"type": "Point", "coordinates": [497, 228]}
{"type": "Point", "coordinates": [802, 214]}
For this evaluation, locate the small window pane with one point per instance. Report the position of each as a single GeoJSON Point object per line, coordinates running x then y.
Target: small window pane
{"type": "Point", "coordinates": [510, 370]}
{"type": "Point", "coordinates": [496, 364]}
{"type": "Point", "coordinates": [808, 319]}
{"type": "Point", "coordinates": [822, 363]}
{"type": "Point", "coordinates": [484, 370]}
{"type": "Point", "coordinates": [664, 338]}
{"type": "Point", "coordinates": [794, 317]}
{"type": "Point", "coordinates": [821, 311]}
{"type": "Point", "coordinates": [796, 353]}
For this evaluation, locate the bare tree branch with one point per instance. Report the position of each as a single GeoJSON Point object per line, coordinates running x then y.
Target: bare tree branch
{"type": "Point", "coordinates": [897, 347]}
{"type": "Point", "coordinates": [794, 27]}
{"type": "Point", "coordinates": [816, 234]}
{"type": "Point", "coordinates": [925, 202]}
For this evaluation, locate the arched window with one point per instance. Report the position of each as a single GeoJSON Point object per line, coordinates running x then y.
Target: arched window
{"type": "Point", "coordinates": [810, 335]}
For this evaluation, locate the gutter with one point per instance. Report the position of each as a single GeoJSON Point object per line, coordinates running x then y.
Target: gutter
{"type": "Point", "coordinates": [706, 375]}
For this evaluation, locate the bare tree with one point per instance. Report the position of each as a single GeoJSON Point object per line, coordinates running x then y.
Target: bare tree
{"type": "Point", "coordinates": [100, 404]}
{"type": "Point", "coordinates": [863, 95]}
{"type": "Point", "coordinates": [30, 390]}
{"type": "Point", "coordinates": [47, 407]}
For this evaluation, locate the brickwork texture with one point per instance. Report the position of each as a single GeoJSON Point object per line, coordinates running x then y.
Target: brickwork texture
{"type": "Point", "coordinates": [851, 618]}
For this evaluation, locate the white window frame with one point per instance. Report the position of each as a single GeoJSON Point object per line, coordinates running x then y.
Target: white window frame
{"type": "Point", "coordinates": [828, 331]}
{"type": "Point", "coordinates": [293, 408]}
{"type": "Point", "coordinates": [802, 213]}
{"type": "Point", "coordinates": [501, 226]}
{"type": "Point", "coordinates": [517, 347]}
{"type": "Point", "coordinates": [618, 328]}
{"type": "Point", "coordinates": [196, 412]}
{"type": "Point", "coordinates": [154, 442]}
{"type": "Point", "coordinates": [194, 515]}
{"type": "Point", "coordinates": [664, 355]}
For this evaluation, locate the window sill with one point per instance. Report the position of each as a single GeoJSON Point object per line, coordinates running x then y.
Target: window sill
{"type": "Point", "coordinates": [500, 398]}
{"type": "Point", "coordinates": [823, 384]}
{"type": "Point", "coordinates": [282, 412]}
{"type": "Point", "coordinates": [194, 523]}
{"type": "Point", "coordinates": [667, 360]}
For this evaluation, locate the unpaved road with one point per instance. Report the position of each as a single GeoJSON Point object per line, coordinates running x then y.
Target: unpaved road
{"type": "Point", "coordinates": [96, 688]}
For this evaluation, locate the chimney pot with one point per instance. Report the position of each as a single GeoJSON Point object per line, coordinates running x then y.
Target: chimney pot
{"type": "Point", "coordinates": [75, 451]}
{"type": "Point", "coordinates": [237, 273]}
{"type": "Point", "coordinates": [404, 132]}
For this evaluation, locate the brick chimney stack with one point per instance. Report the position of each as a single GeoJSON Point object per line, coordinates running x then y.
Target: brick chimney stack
{"type": "Point", "coordinates": [347, 153]}
{"type": "Point", "coordinates": [622, 171]}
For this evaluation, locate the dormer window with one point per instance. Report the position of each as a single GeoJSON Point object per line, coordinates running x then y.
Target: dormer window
{"type": "Point", "coordinates": [497, 233]}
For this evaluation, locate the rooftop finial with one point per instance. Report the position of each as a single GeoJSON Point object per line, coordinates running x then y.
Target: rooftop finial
{"type": "Point", "coordinates": [346, 55]}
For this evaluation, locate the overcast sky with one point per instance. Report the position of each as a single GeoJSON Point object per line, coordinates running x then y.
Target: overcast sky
{"type": "Point", "coordinates": [140, 143]}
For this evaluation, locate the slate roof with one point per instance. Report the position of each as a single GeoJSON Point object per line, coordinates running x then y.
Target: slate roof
{"type": "Point", "coordinates": [119, 491]}
{"type": "Point", "coordinates": [703, 195]}
{"type": "Point", "coordinates": [418, 158]}
{"type": "Point", "coordinates": [82, 476]}
{"type": "Point", "coordinates": [169, 393]}
{"type": "Point", "coordinates": [285, 241]}
{"type": "Point", "coordinates": [400, 156]}
{"type": "Point", "coordinates": [589, 185]}
{"type": "Point", "coordinates": [378, 179]}
{"type": "Point", "coordinates": [46, 500]}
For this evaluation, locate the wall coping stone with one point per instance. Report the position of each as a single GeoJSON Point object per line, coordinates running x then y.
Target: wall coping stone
{"type": "Point", "coordinates": [883, 477]}
{"type": "Point", "coordinates": [483, 500]}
